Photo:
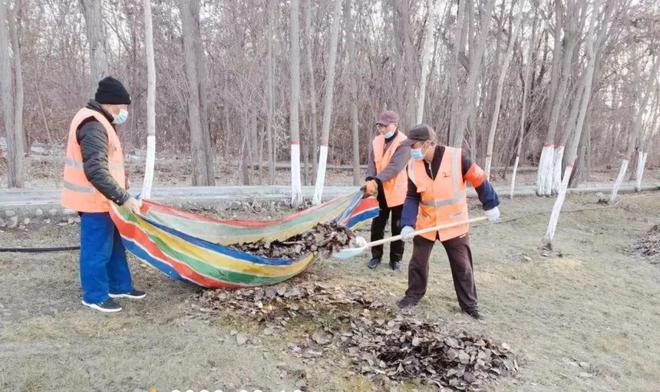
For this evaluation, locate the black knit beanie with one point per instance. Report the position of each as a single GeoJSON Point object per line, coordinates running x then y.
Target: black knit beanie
{"type": "Point", "coordinates": [112, 92]}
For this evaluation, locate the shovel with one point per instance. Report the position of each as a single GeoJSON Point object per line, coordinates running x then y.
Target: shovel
{"type": "Point", "coordinates": [363, 245]}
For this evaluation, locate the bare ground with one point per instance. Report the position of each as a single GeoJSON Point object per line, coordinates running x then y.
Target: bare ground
{"type": "Point", "coordinates": [590, 301]}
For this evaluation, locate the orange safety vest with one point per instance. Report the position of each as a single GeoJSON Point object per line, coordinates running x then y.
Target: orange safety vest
{"type": "Point", "coordinates": [79, 194]}
{"type": "Point", "coordinates": [443, 199]}
{"type": "Point", "coordinates": [396, 187]}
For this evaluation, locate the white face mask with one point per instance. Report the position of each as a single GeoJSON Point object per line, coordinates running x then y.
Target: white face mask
{"type": "Point", "coordinates": [389, 134]}
{"type": "Point", "coordinates": [121, 117]}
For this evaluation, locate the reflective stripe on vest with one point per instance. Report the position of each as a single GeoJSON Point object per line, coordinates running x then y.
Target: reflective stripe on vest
{"type": "Point", "coordinates": [396, 187]}
{"type": "Point", "coordinates": [78, 193]}
{"type": "Point", "coordinates": [78, 188]}
{"type": "Point", "coordinates": [79, 164]}
{"type": "Point", "coordinates": [443, 199]}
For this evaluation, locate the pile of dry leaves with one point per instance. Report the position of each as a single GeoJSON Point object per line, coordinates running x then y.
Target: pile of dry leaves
{"type": "Point", "coordinates": [403, 349]}
{"type": "Point", "coordinates": [649, 245]}
{"type": "Point", "coordinates": [324, 237]}
{"type": "Point", "coordinates": [380, 343]}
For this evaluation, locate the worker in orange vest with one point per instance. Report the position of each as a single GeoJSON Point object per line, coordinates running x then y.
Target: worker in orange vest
{"type": "Point", "coordinates": [386, 178]}
{"type": "Point", "coordinates": [437, 177]}
{"type": "Point", "coordinates": [94, 177]}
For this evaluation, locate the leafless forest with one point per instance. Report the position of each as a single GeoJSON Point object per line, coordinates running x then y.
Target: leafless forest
{"type": "Point", "coordinates": [557, 83]}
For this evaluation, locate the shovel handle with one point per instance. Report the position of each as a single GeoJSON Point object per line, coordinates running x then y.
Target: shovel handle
{"type": "Point", "coordinates": [427, 230]}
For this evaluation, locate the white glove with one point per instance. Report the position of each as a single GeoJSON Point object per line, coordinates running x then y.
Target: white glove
{"type": "Point", "coordinates": [493, 214]}
{"type": "Point", "coordinates": [407, 233]}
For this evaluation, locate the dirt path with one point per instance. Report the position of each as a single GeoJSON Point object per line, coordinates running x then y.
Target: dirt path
{"type": "Point", "coordinates": [594, 305]}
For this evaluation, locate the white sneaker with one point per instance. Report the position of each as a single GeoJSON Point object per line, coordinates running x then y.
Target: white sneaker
{"type": "Point", "coordinates": [135, 294]}
{"type": "Point", "coordinates": [107, 306]}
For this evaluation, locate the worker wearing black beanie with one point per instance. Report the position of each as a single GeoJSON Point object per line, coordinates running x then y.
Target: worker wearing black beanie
{"type": "Point", "coordinates": [112, 92]}
{"type": "Point", "coordinates": [94, 179]}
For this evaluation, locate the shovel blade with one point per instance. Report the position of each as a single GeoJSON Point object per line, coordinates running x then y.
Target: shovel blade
{"type": "Point", "coordinates": [347, 253]}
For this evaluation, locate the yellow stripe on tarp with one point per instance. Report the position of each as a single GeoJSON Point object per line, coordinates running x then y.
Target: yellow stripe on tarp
{"type": "Point", "coordinates": [220, 260]}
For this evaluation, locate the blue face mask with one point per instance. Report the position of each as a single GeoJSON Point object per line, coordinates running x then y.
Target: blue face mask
{"type": "Point", "coordinates": [416, 154]}
{"type": "Point", "coordinates": [389, 134]}
{"type": "Point", "coordinates": [121, 117]}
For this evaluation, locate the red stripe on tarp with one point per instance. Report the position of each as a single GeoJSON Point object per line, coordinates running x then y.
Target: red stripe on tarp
{"type": "Point", "coordinates": [548, 145]}
{"type": "Point", "coordinates": [134, 233]}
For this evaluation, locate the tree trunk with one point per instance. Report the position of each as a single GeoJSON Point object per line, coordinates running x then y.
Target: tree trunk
{"type": "Point", "coordinates": [15, 152]}
{"type": "Point", "coordinates": [269, 87]}
{"type": "Point", "coordinates": [547, 162]}
{"type": "Point", "coordinates": [312, 83]}
{"type": "Point", "coordinates": [523, 115]}
{"type": "Point", "coordinates": [468, 94]}
{"type": "Point", "coordinates": [584, 106]}
{"type": "Point", "coordinates": [294, 116]}
{"type": "Point", "coordinates": [500, 88]}
{"type": "Point", "coordinates": [202, 172]}
{"type": "Point", "coordinates": [151, 102]}
{"type": "Point", "coordinates": [351, 53]}
{"type": "Point", "coordinates": [93, 12]}
{"type": "Point", "coordinates": [327, 103]}
{"type": "Point", "coordinates": [427, 52]}
{"type": "Point", "coordinates": [633, 139]}
{"type": "Point", "coordinates": [21, 136]}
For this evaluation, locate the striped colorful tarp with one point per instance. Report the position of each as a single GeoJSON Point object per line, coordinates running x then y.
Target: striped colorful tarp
{"type": "Point", "coordinates": [194, 248]}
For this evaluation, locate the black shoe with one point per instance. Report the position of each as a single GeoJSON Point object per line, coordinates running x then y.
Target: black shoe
{"type": "Point", "coordinates": [107, 306]}
{"type": "Point", "coordinates": [395, 265]}
{"type": "Point", "coordinates": [474, 313]}
{"type": "Point", "coordinates": [134, 294]}
{"type": "Point", "coordinates": [406, 302]}
{"type": "Point", "coordinates": [373, 263]}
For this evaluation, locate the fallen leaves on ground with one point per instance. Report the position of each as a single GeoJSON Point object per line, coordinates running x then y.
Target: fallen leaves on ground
{"type": "Point", "coordinates": [402, 349]}
{"type": "Point", "coordinates": [649, 245]}
{"type": "Point", "coordinates": [380, 344]}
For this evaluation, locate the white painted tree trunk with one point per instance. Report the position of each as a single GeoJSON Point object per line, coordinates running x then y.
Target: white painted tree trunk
{"type": "Point", "coordinates": [544, 174]}
{"type": "Point", "coordinates": [320, 175]}
{"type": "Point", "coordinates": [294, 119]}
{"type": "Point", "coordinates": [296, 186]}
{"type": "Point", "coordinates": [513, 177]}
{"type": "Point", "coordinates": [327, 104]}
{"type": "Point", "coordinates": [591, 43]}
{"type": "Point", "coordinates": [151, 102]}
{"type": "Point", "coordinates": [619, 179]}
{"type": "Point", "coordinates": [634, 138]}
{"type": "Point", "coordinates": [556, 209]}
{"type": "Point", "coordinates": [641, 162]}
{"type": "Point", "coordinates": [558, 160]}
{"type": "Point", "coordinates": [427, 52]}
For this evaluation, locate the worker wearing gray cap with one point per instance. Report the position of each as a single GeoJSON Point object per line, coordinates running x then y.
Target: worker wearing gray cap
{"type": "Point", "coordinates": [386, 178]}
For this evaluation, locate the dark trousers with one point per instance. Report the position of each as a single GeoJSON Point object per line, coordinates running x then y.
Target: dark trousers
{"type": "Point", "coordinates": [378, 231]}
{"type": "Point", "coordinates": [460, 260]}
